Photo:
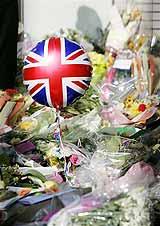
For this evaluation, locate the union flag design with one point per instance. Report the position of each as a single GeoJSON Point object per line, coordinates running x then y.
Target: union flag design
{"type": "Point", "coordinates": [56, 72]}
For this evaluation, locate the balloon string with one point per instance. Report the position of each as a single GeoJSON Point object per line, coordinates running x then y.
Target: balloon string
{"type": "Point", "coordinates": [59, 130]}
{"type": "Point", "coordinates": [61, 146]}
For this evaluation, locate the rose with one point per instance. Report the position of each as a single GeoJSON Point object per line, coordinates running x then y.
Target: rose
{"type": "Point", "coordinates": [75, 160]}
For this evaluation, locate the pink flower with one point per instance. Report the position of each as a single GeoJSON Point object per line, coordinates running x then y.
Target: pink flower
{"type": "Point", "coordinates": [75, 160]}
{"type": "Point", "coordinates": [57, 177]}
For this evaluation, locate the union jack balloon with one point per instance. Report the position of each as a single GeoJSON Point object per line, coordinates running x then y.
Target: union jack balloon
{"type": "Point", "coordinates": [57, 72]}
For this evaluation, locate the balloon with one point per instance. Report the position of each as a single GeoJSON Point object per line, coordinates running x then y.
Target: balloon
{"type": "Point", "coordinates": [56, 72]}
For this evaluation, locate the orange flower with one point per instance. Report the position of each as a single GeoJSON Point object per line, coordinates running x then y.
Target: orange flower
{"type": "Point", "coordinates": [24, 191]}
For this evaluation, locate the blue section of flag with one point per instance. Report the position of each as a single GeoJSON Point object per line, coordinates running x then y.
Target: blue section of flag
{"type": "Point", "coordinates": [25, 63]}
{"type": "Point", "coordinates": [40, 97]}
{"type": "Point", "coordinates": [87, 82]}
{"type": "Point", "coordinates": [39, 49]}
{"type": "Point", "coordinates": [86, 59]}
{"type": "Point", "coordinates": [72, 95]}
{"type": "Point", "coordinates": [70, 47]}
{"type": "Point", "coordinates": [27, 86]}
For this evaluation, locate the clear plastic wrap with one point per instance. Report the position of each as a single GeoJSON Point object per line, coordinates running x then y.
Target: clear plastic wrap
{"type": "Point", "coordinates": [153, 67]}
{"type": "Point", "coordinates": [38, 124]}
{"type": "Point", "coordinates": [28, 44]}
{"type": "Point", "coordinates": [81, 126]}
{"type": "Point", "coordinates": [105, 180]}
{"type": "Point", "coordinates": [85, 203]}
{"type": "Point", "coordinates": [132, 209]}
{"type": "Point", "coordinates": [127, 25]}
{"type": "Point", "coordinates": [125, 92]}
{"type": "Point", "coordinates": [107, 172]}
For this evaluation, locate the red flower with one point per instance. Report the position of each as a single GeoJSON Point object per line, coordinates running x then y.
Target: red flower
{"type": "Point", "coordinates": [142, 107]}
{"type": "Point", "coordinates": [11, 92]}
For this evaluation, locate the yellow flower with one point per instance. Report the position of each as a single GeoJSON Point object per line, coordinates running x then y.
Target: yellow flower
{"type": "Point", "coordinates": [128, 102]}
{"type": "Point", "coordinates": [131, 45]}
{"type": "Point", "coordinates": [52, 161]}
{"type": "Point", "coordinates": [133, 110]}
{"type": "Point", "coordinates": [135, 14]}
{"type": "Point", "coordinates": [50, 186]}
{"type": "Point", "coordinates": [28, 125]}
